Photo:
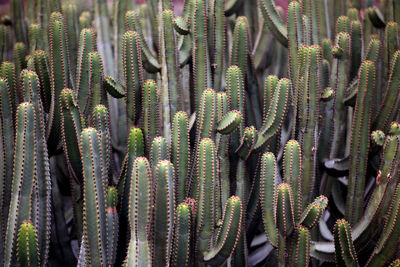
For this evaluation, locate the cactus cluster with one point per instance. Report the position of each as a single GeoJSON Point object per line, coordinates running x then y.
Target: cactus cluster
{"type": "Point", "coordinates": [231, 133]}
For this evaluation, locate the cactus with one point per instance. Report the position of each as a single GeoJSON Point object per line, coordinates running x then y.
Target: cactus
{"type": "Point", "coordinates": [164, 210]}
{"type": "Point", "coordinates": [139, 209]}
{"type": "Point", "coordinates": [133, 74]}
{"type": "Point", "coordinates": [8, 71]}
{"type": "Point", "coordinates": [59, 68]}
{"type": "Point", "coordinates": [360, 132]}
{"type": "Point", "coordinates": [41, 67]}
{"type": "Point", "coordinates": [216, 135]}
{"type": "Point", "coordinates": [301, 249]}
{"type": "Point", "coordinates": [228, 234]}
{"type": "Point", "coordinates": [7, 142]}
{"type": "Point", "coordinates": [71, 128]}
{"type": "Point", "coordinates": [180, 153]}
{"type": "Point", "coordinates": [182, 235]}
{"type": "Point", "coordinates": [112, 225]}
{"type": "Point", "coordinates": [94, 209]}
{"type": "Point", "coordinates": [23, 178]}
{"type": "Point", "coordinates": [344, 247]}
{"type": "Point", "coordinates": [100, 120]}
{"type": "Point", "coordinates": [205, 194]}
{"type": "Point", "coordinates": [41, 198]}
{"type": "Point", "coordinates": [28, 253]}
{"type": "Point", "coordinates": [199, 49]}
{"type": "Point", "coordinates": [150, 113]}
{"type": "Point", "coordinates": [268, 185]}
{"type": "Point", "coordinates": [87, 44]}
{"type": "Point", "coordinates": [207, 113]}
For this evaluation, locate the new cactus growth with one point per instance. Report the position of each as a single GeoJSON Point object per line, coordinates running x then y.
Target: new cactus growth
{"type": "Point", "coordinates": [140, 134]}
{"type": "Point", "coordinates": [28, 253]}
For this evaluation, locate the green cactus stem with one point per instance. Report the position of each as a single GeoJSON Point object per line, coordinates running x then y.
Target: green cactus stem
{"type": "Point", "coordinates": [71, 127]}
{"type": "Point", "coordinates": [268, 182]}
{"type": "Point", "coordinates": [135, 149]}
{"type": "Point", "coordinates": [228, 234]}
{"type": "Point", "coordinates": [274, 21]}
{"type": "Point", "coordinates": [164, 209]}
{"type": "Point", "coordinates": [41, 67]}
{"type": "Point", "coordinates": [229, 122]}
{"type": "Point", "coordinates": [356, 47]}
{"type": "Point", "coordinates": [236, 99]}
{"type": "Point", "coordinates": [284, 211]}
{"type": "Point", "coordinates": [207, 114]}
{"type": "Point", "coordinates": [180, 153]}
{"type": "Point", "coordinates": [345, 252]}
{"type": "Point", "coordinates": [133, 74]}
{"type": "Point", "coordinates": [339, 82]}
{"type": "Point", "coordinates": [42, 180]}
{"type": "Point", "coordinates": [390, 237]}
{"type": "Point", "coordinates": [183, 226]}
{"type": "Point", "coordinates": [132, 23]}
{"type": "Point", "coordinates": [205, 194]}
{"type": "Point", "coordinates": [360, 142]}
{"type": "Point", "coordinates": [309, 113]}
{"type": "Point", "coordinates": [295, 39]}
{"type": "Point", "coordinates": [7, 143]}
{"type": "Point", "coordinates": [59, 69]}
{"type": "Point", "coordinates": [292, 173]}
{"type": "Point", "coordinates": [390, 102]}
{"type": "Point", "coordinates": [171, 92]}
{"type": "Point", "coordinates": [23, 176]}
{"type": "Point", "coordinates": [17, 11]}
{"type": "Point", "coordinates": [94, 192]}
{"type": "Point", "coordinates": [35, 38]}
{"type": "Point", "coordinates": [28, 253]}
{"type": "Point", "coordinates": [199, 50]}
{"type": "Point", "coordinates": [103, 30]}
{"type": "Point", "coordinates": [151, 111]}
{"type": "Point", "coordinates": [140, 209]}
{"type": "Point", "coordinates": [4, 39]}
{"type": "Point", "coordinates": [100, 120]}
{"type": "Point", "coordinates": [112, 225]}
{"type": "Point", "coordinates": [87, 44]}
{"type": "Point", "coordinates": [8, 72]}
{"type": "Point", "coordinates": [240, 45]}
{"type": "Point", "coordinates": [277, 109]}
{"type": "Point", "coordinates": [71, 20]}
{"type": "Point", "coordinates": [222, 143]}
{"type": "Point", "coordinates": [97, 95]}
{"type": "Point", "coordinates": [220, 44]}
{"type": "Point", "coordinates": [313, 212]}
{"type": "Point", "coordinates": [159, 151]}
{"type": "Point", "coordinates": [301, 247]}
{"type": "Point", "coordinates": [114, 87]}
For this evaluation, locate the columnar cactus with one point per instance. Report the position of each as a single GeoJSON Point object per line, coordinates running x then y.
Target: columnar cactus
{"type": "Point", "coordinates": [142, 135]}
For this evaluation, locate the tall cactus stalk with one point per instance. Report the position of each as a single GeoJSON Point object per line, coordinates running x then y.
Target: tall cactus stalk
{"type": "Point", "coordinates": [23, 179]}
{"type": "Point", "coordinates": [94, 209]}
{"type": "Point", "coordinates": [59, 67]}
{"type": "Point", "coordinates": [42, 183]}
{"type": "Point", "coordinates": [360, 141]}
{"type": "Point", "coordinates": [164, 210]}
{"type": "Point", "coordinates": [133, 74]}
{"type": "Point", "coordinates": [140, 209]}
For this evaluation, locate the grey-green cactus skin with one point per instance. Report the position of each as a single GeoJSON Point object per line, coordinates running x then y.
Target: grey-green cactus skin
{"type": "Point", "coordinates": [23, 179]}
{"type": "Point", "coordinates": [228, 133]}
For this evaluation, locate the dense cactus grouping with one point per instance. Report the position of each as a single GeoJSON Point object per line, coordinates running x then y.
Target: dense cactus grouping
{"type": "Point", "coordinates": [231, 133]}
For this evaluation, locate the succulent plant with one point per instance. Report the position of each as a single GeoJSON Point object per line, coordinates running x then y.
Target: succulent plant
{"type": "Point", "coordinates": [140, 135]}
